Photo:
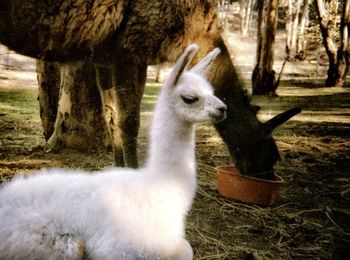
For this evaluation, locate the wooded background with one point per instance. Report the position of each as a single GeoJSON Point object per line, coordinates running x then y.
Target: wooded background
{"type": "Point", "coordinates": [298, 26]}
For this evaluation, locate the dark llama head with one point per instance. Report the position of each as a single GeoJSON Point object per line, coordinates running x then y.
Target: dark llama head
{"type": "Point", "coordinates": [249, 141]}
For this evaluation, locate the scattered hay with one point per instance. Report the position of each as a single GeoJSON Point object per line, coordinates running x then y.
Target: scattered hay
{"type": "Point", "coordinates": [294, 228]}
{"type": "Point", "coordinates": [315, 146]}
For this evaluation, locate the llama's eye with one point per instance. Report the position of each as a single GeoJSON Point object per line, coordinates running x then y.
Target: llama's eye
{"type": "Point", "coordinates": [189, 99]}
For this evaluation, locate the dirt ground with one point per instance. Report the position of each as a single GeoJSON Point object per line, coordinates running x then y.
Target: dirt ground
{"type": "Point", "coordinates": [311, 219]}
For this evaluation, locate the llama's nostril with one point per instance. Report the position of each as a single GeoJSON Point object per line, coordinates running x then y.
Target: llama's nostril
{"type": "Point", "coordinates": [222, 109]}
{"type": "Point", "coordinates": [220, 115]}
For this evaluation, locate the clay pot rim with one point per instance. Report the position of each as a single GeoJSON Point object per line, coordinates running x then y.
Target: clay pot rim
{"type": "Point", "coordinates": [221, 168]}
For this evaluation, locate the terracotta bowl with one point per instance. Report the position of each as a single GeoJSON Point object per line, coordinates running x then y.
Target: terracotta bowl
{"type": "Point", "coordinates": [247, 189]}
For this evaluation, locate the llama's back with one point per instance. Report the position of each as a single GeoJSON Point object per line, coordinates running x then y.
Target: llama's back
{"type": "Point", "coordinates": [51, 197]}
{"type": "Point", "coordinates": [40, 190]}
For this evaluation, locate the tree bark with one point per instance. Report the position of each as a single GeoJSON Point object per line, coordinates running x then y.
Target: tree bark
{"type": "Point", "coordinates": [343, 50]}
{"type": "Point", "coordinates": [327, 42]}
{"type": "Point", "coordinates": [260, 33]}
{"type": "Point", "coordinates": [303, 22]}
{"type": "Point", "coordinates": [337, 57]}
{"type": "Point", "coordinates": [263, 78]}
{"type": "Point", "coordinates": [295, 26]}
{"type": "Point", "coordinates": [289, 27]}
{"type": "Point", "coordinates": [246, 15]}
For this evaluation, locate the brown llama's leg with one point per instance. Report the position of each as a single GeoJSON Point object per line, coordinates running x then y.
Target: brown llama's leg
{"type": "Point", "coordinates": [79, 123]}
{"type": "Point", "coordinates": [106, 80]}
{"type": "Point", "coordinates": [121, 88]}
{"type": "Point", "coordinates": [48, 76]}
{"type": "Point", "coordinates": [131, 75]}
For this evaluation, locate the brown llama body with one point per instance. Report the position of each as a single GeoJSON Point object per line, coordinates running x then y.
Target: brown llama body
{"type": "Point", "coordinates": [121, 38]}
{"type": "Point", "coordinates": [68, 30]}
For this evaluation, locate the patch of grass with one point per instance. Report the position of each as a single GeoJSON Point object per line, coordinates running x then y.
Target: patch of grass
{"type": "Point", "coordinates": [150, 97]}
{"type": "Point", "coordinates": [20, 125]}
{"type": "Point", "coordinates": [17, 103]}
{"type": "Point", "coordinates": [311, 102]}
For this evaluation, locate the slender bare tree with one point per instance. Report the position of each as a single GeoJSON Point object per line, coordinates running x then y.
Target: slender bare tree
{"type": "Point", "coordinates": [338, 56]}
{"type": "Point", "coordinates": [297, 18]}
{"type": "Point", "coordinates": [263, 78]}
{"type": "Point", "coordinates": [343, 50]}
{"type": "Point", "coordinates": [246, 8]}
{"type": "Point", "coordinates": [303, 23]}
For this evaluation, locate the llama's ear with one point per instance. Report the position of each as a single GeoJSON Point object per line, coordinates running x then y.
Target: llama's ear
{"type": "Point", "coordinates": [203, 66]}
{"type": "Point", "coordinates": [181, 64]}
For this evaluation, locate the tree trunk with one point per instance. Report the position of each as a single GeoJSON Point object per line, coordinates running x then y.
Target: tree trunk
{"type": "Point", "coordinates": [327, 42]}
{"type": "Point", "coordinates": [246, 15]}
{"type": "Point", "coordinates": [343, 50]}
{"type": "Point", "coordinates": [70, 108]}
{"type": "Point", "coordinates": [260, 23]}
{"type": "Point", "coordinates": [295, 26]}
{"type": "Point", "coordinates": [289, 27]}
{"type": "Point", "coordinates": [338, 58]}
{"type": "Point", "coordinates": [263, 78]}
{"type": "Point", "coordinates": [303, 22]}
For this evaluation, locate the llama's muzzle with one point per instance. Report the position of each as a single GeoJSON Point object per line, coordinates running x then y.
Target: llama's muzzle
{"type": "Point", "coordinates": [220, 114]}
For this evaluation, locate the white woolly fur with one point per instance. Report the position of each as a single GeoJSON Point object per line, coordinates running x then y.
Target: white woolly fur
{"type": "Point", "coordinates": [118, 213]}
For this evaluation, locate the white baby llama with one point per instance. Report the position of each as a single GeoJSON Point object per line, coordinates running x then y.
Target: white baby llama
{"type": "Point", "coordinates": [118, 213]}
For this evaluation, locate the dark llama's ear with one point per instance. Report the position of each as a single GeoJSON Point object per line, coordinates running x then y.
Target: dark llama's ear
{"type": "Point", "coordinates": [182, 63]}
{"type": "Point", "coordinates": [203, 66]}
{"type": "Point", "coordinates": [281, 118]}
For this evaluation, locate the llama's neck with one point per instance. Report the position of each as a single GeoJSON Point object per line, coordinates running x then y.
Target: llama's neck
{"type": "Point", "coordinates": [171, 149]}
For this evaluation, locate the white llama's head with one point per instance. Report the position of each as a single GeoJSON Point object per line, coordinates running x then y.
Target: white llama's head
{"type": "Point", "coordinates": [190, 94]}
